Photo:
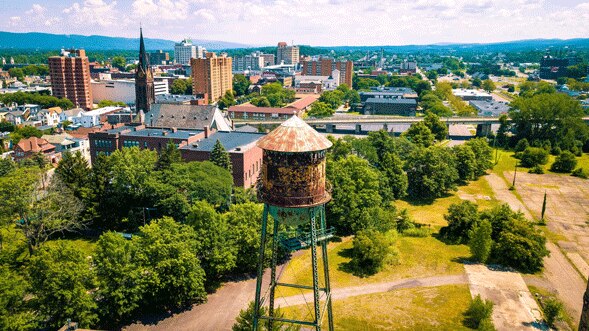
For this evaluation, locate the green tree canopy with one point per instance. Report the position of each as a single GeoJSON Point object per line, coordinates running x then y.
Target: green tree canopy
{"type": "Point", "coordinates": [431, 172]}
{"type": "Point", "coordinates": [320, 109]}
{"type": "Point", "coordinates": [240, 84]}
{"type": "Point", "coordinates": [419, 134]}
{"type": "Point", "coordinates": [168, 155]}
{"type": "Point", "coordinates": [436, 126]}
{"type": "Point", "coordinates": [488, 85]}
{"type": "Point", "coordinates": [220, 157]}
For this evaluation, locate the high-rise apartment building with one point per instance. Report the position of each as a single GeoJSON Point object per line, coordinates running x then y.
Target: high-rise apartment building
{"type": "Point", "coordinates": [212, 75]}
{"type": "Point", "coordinates": [159, 57]}
{"type": "Point", "coordinates": [325, 67]}
{"type": "Point", "coordinates": [70, 77]}
{"type": "Point", "coordinates": [184, 51]}
{"type": "Point", "coordinates": [288, 54]}
{"type": "Point", "coordinates": [269, 59]}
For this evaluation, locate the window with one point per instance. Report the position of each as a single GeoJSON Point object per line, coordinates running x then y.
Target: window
{"type": "Point", "coordinates": [130, 143]}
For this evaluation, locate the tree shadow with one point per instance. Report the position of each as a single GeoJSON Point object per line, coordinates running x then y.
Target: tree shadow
{"type": "Point", "coordinates": [351, 267]}
{"type": "Point", "coordinates": [413, 201]}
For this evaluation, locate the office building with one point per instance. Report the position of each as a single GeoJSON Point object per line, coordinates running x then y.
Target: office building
{"type": "Point", "coordinates": [70, 77]}
{"type": "Point", "coordinates": [553, 68]}
{"type": "Point", "coordinates": [269, 59]}
{"type": "Point", "coordinates": [160, 57]}
{"type": "Point", "coordinates": [390, 106]}
{"type": "Point", "coordinates": [326, 66]}
{"type": "Point", "coordinates": [247, 62]}
{"type": "Point", "coordinates": [467, 95]}
{"type": "Point", "coordinates": [144, 89]}
{"type": "Point", "coordinates": [212, 76]}
{"type": "Point", "coordinates": [287, 54]}
{"type": "Point", "coordinates": [184, 51]}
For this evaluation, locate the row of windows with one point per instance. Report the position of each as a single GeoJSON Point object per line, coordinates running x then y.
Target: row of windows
{"type": "Point", "coordinates": [103, 143]}
{"type": "Point", "coordinates": [107, 153]}
{"type": "Point", "coordinates": [130, 143]}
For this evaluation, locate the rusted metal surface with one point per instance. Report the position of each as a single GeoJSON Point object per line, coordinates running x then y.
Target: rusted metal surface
{"type": "Point", "coordinates": [296, 136]}
{"type": "Point", "coordinates": [293, 179]}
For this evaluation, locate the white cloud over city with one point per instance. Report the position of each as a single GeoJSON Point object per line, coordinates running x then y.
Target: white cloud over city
{"type": "Point", "coordinates": [314, 22]}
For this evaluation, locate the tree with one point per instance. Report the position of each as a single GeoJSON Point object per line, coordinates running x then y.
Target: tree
{"type": "Point", "coordinates": [419, 134]}
{"type": "Point", "coordinates": [179, 86]}
{"type": "Point", "coordinates": [372, 250]}
{"type": "Point", "coordinates": [466, 162]}
{"type": "Point", "coordinates": [483, 155]}
{"type": "Point", "coordinates": [488, 85]}
{"type": "Point", "coordinates": [6, 166]}
{"type": "Point", "coordinates": [521, 246]}
{"type": "Point", "coordinates": [431, 172]}
{"type": "Point", "coordinates": [220, 157]}
{"type": "Point", "coordinates": [565, 162]}
{"type": "Point", "coordinates": [215, 248]}
{"type": "Point", "coordinates": [478, 311]}
{"type": "Point", "coordinates": [462, 218]}
{"type": "Point", "coordinates": [480, 241]}
{"type": "Point", "coordinates": [240, 84]}
{"type": "Point", "coordinates": [555, 117]}
{"type": "Point", "coordinates": [260, 102]}
{"type": "Point", "coordinates": [170, 269]}
{"type": "Point", "coordinates": [120, 284]}
{"type": "Point", "coordinates": [119, 62]}
{"type": "Point", "coordinates": [332, 98]}
{"type": "Point", "coordinates": [168, 155]}
{"type": "Point", "coordinates": [437, 127]}
{"type": "Point", "coordinates": [534, 156]}
{"type": "Point", "coordinates": [62, 280]}
{"type": "Point", "coordinates": [392, 167]}
{"type": "Point", "coordinates": [16, 73]}
{"type": "Point", "coordinates": [15, 311]}
{"type": "Point", "coordinates": [244, 321]}
{"type": "Point", "coordinates": [73, 170]}
{"type": "Point", "coordinates": [227, 100]}
{"type": "Point", "coordinates": [356, 186]}
{"type": "Point", "coordinates": [320, 109]}
{"type": "Point", "coordinates": [552, 311]}
{"type": "Point", "coordinates": [110, 103]}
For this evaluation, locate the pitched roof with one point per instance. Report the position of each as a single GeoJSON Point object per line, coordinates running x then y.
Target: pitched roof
{"type": "Point", "coordinates": [58, 139]}
{"type": "Point", "coordinates": [180, 116]}
{"type": "Point", "coordinates": [294, 135]}
{"type": "Point", "coordinates": [34, 145]}
{"type": "Point", "coordinates": [266, 110]}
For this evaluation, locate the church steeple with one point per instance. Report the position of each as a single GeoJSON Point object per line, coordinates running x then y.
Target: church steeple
{"type": "Point", "coordinates": [144, 89]}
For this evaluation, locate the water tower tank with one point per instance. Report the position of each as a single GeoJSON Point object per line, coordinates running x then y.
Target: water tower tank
{"type": "Point", "coordinates": [293, 171]}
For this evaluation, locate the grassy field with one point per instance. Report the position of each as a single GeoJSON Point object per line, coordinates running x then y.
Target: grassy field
{"type": "Point", "coordinates": [507, 161]}
{"type": "Point", "coordinates": [418, 257]}
{"type": "Point", "coordinates": [426, 308]}
{"type": "Point", "coordinates": [541, 294]}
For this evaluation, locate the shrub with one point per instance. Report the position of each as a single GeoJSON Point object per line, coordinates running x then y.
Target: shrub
{"type": "Point", "coordinates": [486, 325]}
{"type": "Point", "coordinates": [565, 162]}
{"type": "Point", "coordinates": [537, 169]}
{"type": "Point", "coordinates": [478, 311]}
{"type": "Point", "coordinates": [520, 246]}
{"type": "Point", "coordinates": [372, 250]}
{"type": "Point", "coordinates": [555, 151]}
{"type": "Point", "coordinates": [522, 145]}
{"type": "Point", "coordinates": [418, 232]}
{"type": "Point", "coordinates": [480, 241]}
{"type": "Point", "coordinates": [580, 172]}
{"type": "Point", "coordinates": [552, 311]}
{"type": "Point", "coordinates": [533, 156]}
{"type": "Point", "coordinates": [461, 218]}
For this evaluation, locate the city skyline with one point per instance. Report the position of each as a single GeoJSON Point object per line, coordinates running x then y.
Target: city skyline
{"type": "Point", "coordinates": [320, 23]}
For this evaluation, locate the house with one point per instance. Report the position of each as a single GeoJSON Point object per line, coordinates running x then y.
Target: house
{"type": "Point", "coordinates": [186, 117]}
{"type": "Point", "coordinates": [31, 146]}
{"type": "Point", "coordinates": [16, 117]}
{"type": "Point", "coordinates": [65, 142]}
{"type": "Point", "coordinates": [50, 116]}
{"type": "Point", "coordinates": [94, 117]}
{"type": "Point", "coordinates": [69, 115]}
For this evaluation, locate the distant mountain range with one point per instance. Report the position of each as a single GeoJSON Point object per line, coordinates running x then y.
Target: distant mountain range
{"type": "Point", "coordinates": [47, 41]}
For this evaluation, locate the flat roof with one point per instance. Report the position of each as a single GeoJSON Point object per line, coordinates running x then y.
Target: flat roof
{"type": "Point", "coordinates": [391, 100]}
{"type": "Point", "coordinates": [265, 110]}
{"type": "Point", "coordinates": [229, 140]}
{"type": "Point", "coordinates": [465, 92]}
{"type": "Point", "coordinates": [101, 111]}
{"type": "Point", "coordinates": [152, 132]}
{"type": "Point", "coordinates": [490, 106]}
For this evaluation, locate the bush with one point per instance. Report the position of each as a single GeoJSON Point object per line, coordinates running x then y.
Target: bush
{"type": "Point", "coordinates": [520, 246]}
{"type": "Point", "coordinates": [552, 311]}
{"type": "Point", "coordinates": [537, 169]}
{"type": "Point", "coordinates": [565, 162]}
{"type": "Point", "coordinates": [418, 232]}
{"type": "Point", "coordinates": [522, 145]}
{"type": "Point", "coordinates": [533, 156]}
{"type": "Point", "coordinates": [580, 172]}
{"type": "Point", "coordinates": [477, 312]}
{"type": "Point", "coordinates": [480, 241]}
{"type": "Point", "coordinates": [555, 151]}
{"type": "Point", "coordinates": [372, 250]}
{"type": "Point", "coordinates": [461, 218]}
{"type": "Point", "coordinates": [486, 325]}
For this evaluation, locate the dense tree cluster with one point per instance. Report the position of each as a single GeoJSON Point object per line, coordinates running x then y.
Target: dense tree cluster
{"type": "Point", "coordinates": [45, 101]}
{"type": "Point", "coordinates": [181, 86]}
{"type": "Point", "coordinates": [498, 235]}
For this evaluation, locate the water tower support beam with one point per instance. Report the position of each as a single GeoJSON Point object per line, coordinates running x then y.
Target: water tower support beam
{"type": "Point", "coordinates": [326, 271]}
{"type": "Point", "coordinates": [257, 303]}
{"type": "Point", "coordinates": [273, 273]}
{"type": "Point", "coordinates": [315, 271]}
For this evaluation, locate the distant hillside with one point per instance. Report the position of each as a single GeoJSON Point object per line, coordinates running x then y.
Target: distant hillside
{"type": "Point", "coordinates": [47, 41]}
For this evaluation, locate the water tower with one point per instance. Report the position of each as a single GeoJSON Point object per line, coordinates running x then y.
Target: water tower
{"type": "Point", "coordinates": [293, 189]}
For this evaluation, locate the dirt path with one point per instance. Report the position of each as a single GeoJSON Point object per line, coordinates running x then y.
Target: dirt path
{"type": "Point", "coordinates": [515, 308]}
{"type": "Point", "coordinates": [342, 293]}
{"type": "Point", "coordinates": [503, 193]}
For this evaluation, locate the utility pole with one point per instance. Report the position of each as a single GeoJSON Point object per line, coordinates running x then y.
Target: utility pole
{"type": "Point", "coordinates": [514, 175]}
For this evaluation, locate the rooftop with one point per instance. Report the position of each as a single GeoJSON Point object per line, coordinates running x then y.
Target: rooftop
{"type": "Point", "coordinates": [168, 133]}
{"type": "Point", "coordinates": [180, 116]}
{"type": "Point", "coordinates": [101, 111]}
{"type": "Point", "coordinates": [392, 101]}
{"type": "Point", "coordinates": [265, 110]}
{"type": "Point", "coordinates": [230, 140]}
{"type": "Point", "coordinates": [295, 136]}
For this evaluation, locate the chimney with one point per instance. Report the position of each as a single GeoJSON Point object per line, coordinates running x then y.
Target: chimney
{"type": "Point", "coordinates": [174, 129]}
{"type": "Point", "coordinates": [207, 131]}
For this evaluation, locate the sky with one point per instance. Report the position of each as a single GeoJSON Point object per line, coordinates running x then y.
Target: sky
{"type": "Point", "coordinates": [306, 22]}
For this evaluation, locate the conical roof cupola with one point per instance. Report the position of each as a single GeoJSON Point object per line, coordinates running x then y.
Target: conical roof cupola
{"type": "Point", "coordinates": [294, 136]}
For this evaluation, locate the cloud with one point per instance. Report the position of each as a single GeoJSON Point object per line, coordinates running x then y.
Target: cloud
{"type": "Point", "coordinates": [37, 9]}
{"type": "Point", "coordinates": [166, 10]}
{"type": "Point", "coordinates": [93, 12]}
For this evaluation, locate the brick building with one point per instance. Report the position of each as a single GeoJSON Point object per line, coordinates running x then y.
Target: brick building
{"type": "Point", "coordinates": [70, 77]}
{"type": "Point", "coordinates": [26, 148]}
{"type": "Point", "coordinates": [194, 145]}
{"type": "Point", "coordinates": [212, 76]}
{"type": "Point", "coordinates": [325, 67]}
{"type": "Point", "coordinates": [287, 54]}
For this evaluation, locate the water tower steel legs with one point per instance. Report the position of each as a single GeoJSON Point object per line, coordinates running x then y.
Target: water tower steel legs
{"type": "Point", "coordinates": [315, 238]}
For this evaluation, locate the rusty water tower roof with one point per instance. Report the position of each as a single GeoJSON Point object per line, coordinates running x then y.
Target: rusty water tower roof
{"type": "Point", "coordinates": [294, 136]}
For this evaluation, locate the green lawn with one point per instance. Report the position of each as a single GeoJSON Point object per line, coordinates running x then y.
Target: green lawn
{"type": "Point", "coordinates": [418, 257]}
{"type": "Point", "coordinates": [425, 308]}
